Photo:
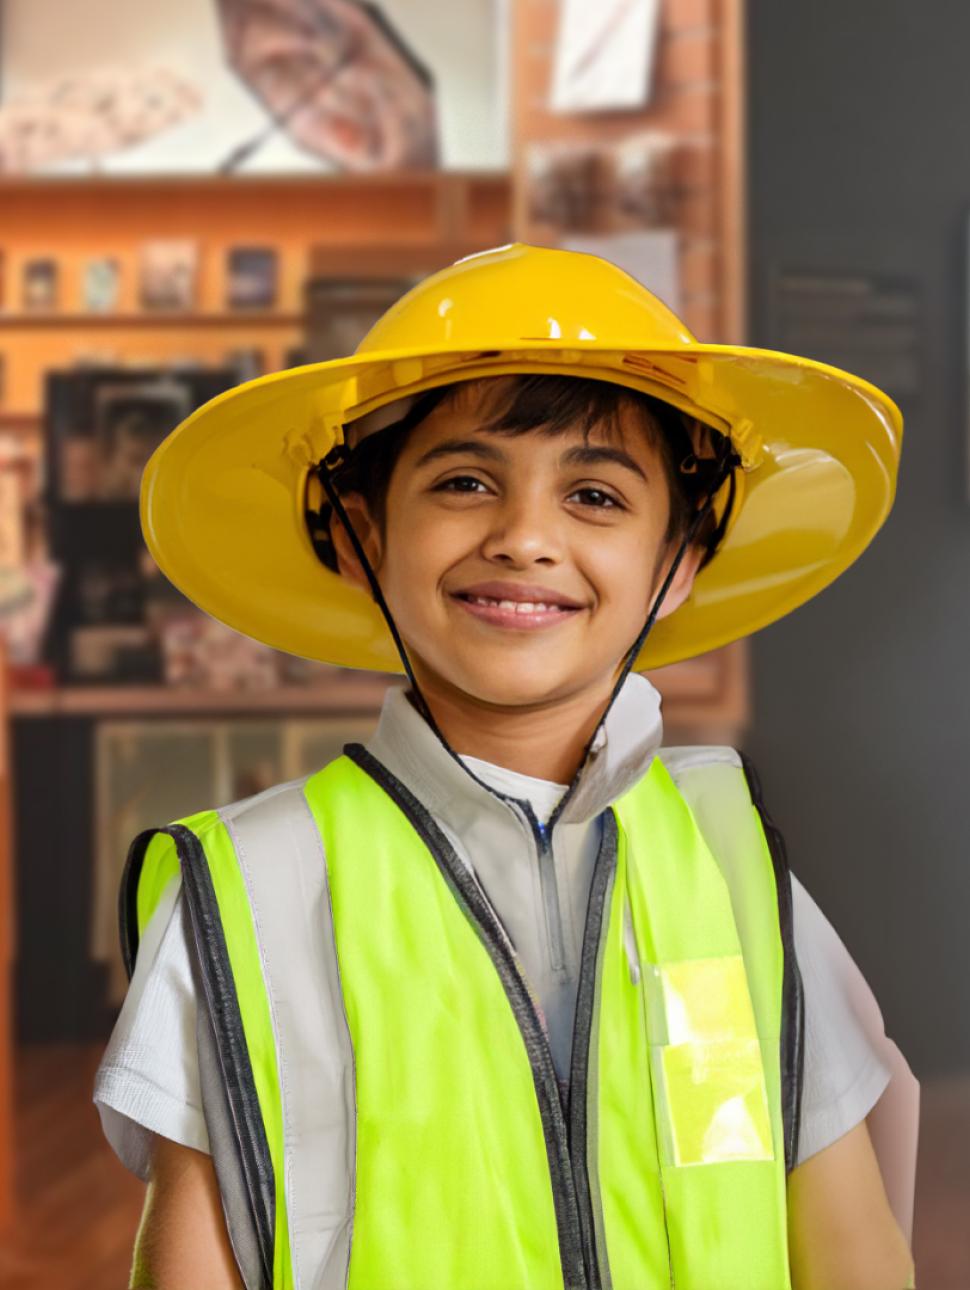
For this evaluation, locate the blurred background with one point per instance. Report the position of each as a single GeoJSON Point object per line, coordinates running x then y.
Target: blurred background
{"type": "Point", "coordinates": [195, 193]}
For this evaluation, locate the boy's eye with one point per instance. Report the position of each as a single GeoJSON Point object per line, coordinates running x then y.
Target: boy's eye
{"type": "Point", "coordinates": [596, 497]}
{"type": "Point", "coordinates": [458, 484]}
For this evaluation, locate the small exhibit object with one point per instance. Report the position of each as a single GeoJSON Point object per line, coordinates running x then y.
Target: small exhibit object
{"type": "Point", "coordinates": [168, 274]}
{"type": "Point", "coordinates": [562, 180]}
{"type": "Point", "coordinates": [252, 277]}
{"type": "Point", "coordinates": [100, 285]}
{"type": "Point", "coordinates": [40, 285]}
{"type": "Point", "coordinates": [198, 651]}
{"type": "Point", "coordinates": [642, 184]}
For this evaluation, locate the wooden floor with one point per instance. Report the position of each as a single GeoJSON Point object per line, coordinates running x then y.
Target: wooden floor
{"type": "Point", "coordinates": [80, 1208]}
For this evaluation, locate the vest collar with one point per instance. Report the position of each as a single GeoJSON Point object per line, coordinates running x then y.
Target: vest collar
{"type": "Point", "coordinates": [622, 750]}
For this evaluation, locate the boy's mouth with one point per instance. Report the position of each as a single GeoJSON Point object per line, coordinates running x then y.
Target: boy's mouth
{"type": "Point", "coordinates": [542, 609]}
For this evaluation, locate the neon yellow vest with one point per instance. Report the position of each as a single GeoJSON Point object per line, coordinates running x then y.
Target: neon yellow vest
{"type": "Point", "coordinates": [666, 1167]}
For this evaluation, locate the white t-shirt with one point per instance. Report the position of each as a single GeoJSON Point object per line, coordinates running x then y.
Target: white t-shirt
{"type": "Point", "coordinates": [148, 1080]}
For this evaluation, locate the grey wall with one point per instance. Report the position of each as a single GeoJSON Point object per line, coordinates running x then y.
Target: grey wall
{"type": "Point", "coordinates": [860, 151]}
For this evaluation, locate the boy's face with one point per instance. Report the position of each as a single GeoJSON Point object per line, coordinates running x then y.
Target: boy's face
{"type": "Point", "coordinates": [477, 516]}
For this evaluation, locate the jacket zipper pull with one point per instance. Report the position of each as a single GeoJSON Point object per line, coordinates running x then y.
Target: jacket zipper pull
{"type": "Point", "coordinates": [542, 833]}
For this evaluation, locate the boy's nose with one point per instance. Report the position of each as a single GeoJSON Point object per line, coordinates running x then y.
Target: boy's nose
{"type": "Point", "coordinates": [524, 533]}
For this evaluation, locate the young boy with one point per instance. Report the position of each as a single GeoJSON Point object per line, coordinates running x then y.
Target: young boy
{"type": "Point", "coordinates": [510, 996]}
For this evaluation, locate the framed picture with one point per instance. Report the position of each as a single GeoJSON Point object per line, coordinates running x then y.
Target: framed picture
{"type": "Point", "coordinates": [252, 274]}
{"type": "Point", "coordinates": [130, 422]}
{"type": "Point", "coordinates": [40, 286]}
{"type": "Point", "coordinates": [168, 275]}
{"type": "Point", "coordinates": [203, 86]}
{"type": "Point", "coordinates": [102, 424]}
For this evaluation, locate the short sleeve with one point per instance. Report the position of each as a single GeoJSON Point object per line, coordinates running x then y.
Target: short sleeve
{"type": "Point", "coordinates": [148, 1079]}
{"type": "Point", "coordinates": [846, 1069]}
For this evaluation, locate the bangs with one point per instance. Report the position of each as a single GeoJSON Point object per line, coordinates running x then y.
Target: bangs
{"type": "Point", "coordinates": [552, 405]}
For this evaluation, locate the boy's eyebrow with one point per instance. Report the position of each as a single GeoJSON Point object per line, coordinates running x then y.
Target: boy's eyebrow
{"type": "Point", "coordinates": [449, 446]}
{"type": "Point", "coordinates": [592, 454]}
{"type": "Point", "coordinates": [580, 455]}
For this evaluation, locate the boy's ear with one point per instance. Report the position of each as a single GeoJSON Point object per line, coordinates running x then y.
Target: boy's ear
{"type": "Point", "coordinates": [683, 581]}
{"type": "Point", "coordinates": [366, 529]}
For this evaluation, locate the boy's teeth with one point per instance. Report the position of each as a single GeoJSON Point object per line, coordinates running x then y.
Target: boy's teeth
{"type": "Point", "coordinates": [517, 606]}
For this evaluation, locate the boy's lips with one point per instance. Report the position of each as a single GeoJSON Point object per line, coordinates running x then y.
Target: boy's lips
{"type": "Point", "coordinates": [515, 605]}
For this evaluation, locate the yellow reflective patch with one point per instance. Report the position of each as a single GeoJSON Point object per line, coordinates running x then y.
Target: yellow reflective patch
{"type": "Point", "coordinates": [714, 1101]}
{"type": "Point", "coordinates": [709, 1079]}
{"type": "Point", "coordinates": [705, 999]}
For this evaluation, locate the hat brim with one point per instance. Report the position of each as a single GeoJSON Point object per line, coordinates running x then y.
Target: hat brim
{"type": "Point", "coordinates": [223, 496]}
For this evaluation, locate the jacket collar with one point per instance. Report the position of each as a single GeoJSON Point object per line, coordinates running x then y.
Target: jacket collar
{"type": "Point", "coordinates": [621, 753]}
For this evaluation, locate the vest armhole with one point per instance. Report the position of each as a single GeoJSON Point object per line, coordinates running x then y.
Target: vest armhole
{"type": "Point", "coordinates": [793, 1008]}
{"type": "Point", "coordinates": [222, 1002]}
{"type": "Point", "coordinates": [223, 1007]}
{"type": "Point", "coordinates": [128, 929]}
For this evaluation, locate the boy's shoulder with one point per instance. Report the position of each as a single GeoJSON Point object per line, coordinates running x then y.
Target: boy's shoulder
{"type": "Point", "coordinates": [265, 797]}
{"type": "Point", "coordinates": [697, 769]}
{"type": "Point", "coordinates": [681, 758]}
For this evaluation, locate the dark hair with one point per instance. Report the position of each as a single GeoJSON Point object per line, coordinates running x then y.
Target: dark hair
{"type": "Point", "coordinates": [550, 405]}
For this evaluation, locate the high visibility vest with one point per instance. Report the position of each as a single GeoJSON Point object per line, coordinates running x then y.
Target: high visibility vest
{"type": "Point", "coordinates": [395, 1111]}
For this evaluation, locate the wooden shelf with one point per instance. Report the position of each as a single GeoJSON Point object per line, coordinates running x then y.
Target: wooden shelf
{"type": "Point", "coordinates": [26, 423]}
{"type": "Point", "coordinates": [207, 182]}
{"type": "Point", "coordinates": [712, 688]}
{"type": "Point", "coordinates": [314, 222]}
{"type": "Point", "coordinates": [340, 695]}
{"type": "Point", "coordinates": [233, 318]}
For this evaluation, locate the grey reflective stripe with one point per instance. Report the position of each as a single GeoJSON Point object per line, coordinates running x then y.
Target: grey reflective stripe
{"type": "Point", "coordinates": [281, 857]}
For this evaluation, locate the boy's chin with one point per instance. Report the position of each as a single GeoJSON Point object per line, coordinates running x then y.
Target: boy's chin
{"type": "Point", "coordinates": [512, 687]}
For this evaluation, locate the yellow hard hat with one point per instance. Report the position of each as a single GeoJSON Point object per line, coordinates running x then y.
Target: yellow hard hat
{"type": "Point", "coordinates": [224, 496]}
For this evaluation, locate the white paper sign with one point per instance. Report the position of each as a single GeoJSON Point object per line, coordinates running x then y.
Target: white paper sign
{"type": "Point", "coordinates": [604, 56]}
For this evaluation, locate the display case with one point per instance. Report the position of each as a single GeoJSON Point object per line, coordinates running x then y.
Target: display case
{"type": "Point", "coordinates": [101, 426]}
{"type": "Point", "coordinates": [151, 772]}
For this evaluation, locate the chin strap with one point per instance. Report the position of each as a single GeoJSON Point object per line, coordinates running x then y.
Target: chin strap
{"type": "Point", "coordinates": [333, 459]}
{"type": "Point", "coordinates": [725, 462]}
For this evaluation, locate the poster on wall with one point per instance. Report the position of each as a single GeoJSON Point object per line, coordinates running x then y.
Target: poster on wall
{"type": "Point", "coordinates": [252, 86]}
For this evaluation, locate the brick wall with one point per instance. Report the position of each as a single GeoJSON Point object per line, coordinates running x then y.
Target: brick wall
{"type": "Point", "coordinates": [698, 98]}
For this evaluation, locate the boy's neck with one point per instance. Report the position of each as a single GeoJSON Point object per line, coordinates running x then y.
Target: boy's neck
{"type": "Point", "coordinates": [546, 742]}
